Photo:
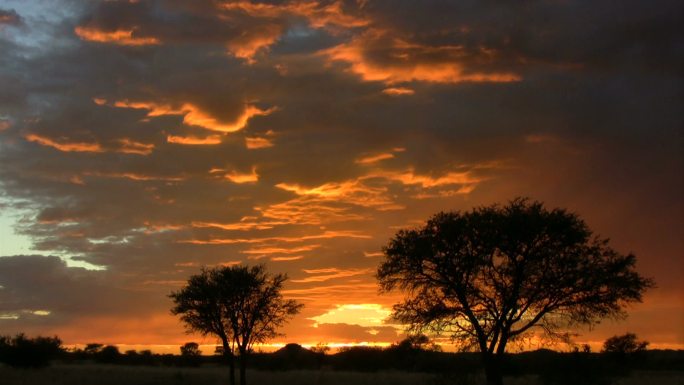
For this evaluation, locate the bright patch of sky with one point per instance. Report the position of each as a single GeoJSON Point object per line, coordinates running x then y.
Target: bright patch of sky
{"type": "Point", "coordinates": [13, 243]}
{"type": "Point", "coordinates": [367, 314]}
{"type": "Point", "coordinates": [37, 32]}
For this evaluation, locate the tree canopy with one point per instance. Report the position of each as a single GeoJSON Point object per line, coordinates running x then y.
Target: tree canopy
{"type": "Point", "coordinates": [241, 305]}
{"type": "Point", "coordinates": [624, 344]}
{"type": "Point", "coordinates": [496, 273]}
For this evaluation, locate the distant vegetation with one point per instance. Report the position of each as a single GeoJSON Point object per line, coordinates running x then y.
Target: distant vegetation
{"type": "Point", "coordinates": [21, 351]}
{"type": "Point", "coordinates": [414, 355]}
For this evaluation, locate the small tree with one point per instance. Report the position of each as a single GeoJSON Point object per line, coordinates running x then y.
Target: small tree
{"type": "Point", "coordinates": [241, 305]}
{"type": "Point", "coordinates": [190, 349]}
{"type": "Point", "coordinates": [190, 354]}
{"type": "Point", "coordinates": [496, 273]}
{"type": "Point", "coordinates": [624, 344]}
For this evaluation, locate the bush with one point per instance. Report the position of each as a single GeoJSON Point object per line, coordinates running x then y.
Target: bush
{"type": "Point", "coordinates": [21, 351]}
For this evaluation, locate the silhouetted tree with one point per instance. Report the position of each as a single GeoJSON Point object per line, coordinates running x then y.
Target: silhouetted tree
{"type": "Point", "coordinates": [93, 348]}
{"type": "Point", "coordinates": [417, 342]}
{"type": "Point", "coordinates": [190, 353]}
{"type": "Point", "coordinates": [241, 305]}
{"type": "Point", "coordinates": [190, 349]}
{"type": "Point", "coordinates": [624, 344]}
{"type": "Point", "coordinates": [108, 354]}
{"type": "Point", "coordinates": [491, 275]}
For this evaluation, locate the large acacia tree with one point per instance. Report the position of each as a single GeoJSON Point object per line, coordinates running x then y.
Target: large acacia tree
{"type": "Point", "coordinates": [241, 305]}
{"type": "Point", "coordinates": [495, 274]}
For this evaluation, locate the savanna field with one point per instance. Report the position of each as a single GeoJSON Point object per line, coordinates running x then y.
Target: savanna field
{"type": "Point", "coordinates": [116, 375]}
{"type": "Point", "coordinates": [398, 364]}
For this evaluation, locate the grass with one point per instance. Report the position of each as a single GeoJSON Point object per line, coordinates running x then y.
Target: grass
{"type": "Point", "coordinates": [91, 374]}
{"type": "Point", "coordinates": [138, 375]}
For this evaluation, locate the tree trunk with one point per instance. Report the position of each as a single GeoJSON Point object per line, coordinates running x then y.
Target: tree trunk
{"type": "Point", "coordinates": [493, 369]}
{"type": "Point", "coordinates": [243, 368]}
{"type": "Point", "coordinates": [232, 368]}
{"type": "Point", "coordinates": [228, 355]}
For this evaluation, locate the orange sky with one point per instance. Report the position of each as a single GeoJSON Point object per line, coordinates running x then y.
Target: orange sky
{"type": "Point", "coordinates": [141, 140]}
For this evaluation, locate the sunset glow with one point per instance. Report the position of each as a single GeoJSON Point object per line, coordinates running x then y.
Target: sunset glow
{"type": "Point", "coordinates": [141, 141]}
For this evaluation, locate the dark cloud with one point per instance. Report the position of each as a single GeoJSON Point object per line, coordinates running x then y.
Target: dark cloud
{"type": "Point", "coordinates": [10, 17]}
{"type": "Point", "coordinates": [126, 138]}
{"type": "Point", "coordinates": [40, 291]}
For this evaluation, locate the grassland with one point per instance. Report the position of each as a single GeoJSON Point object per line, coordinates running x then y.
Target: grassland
{"type": "Point", "coordinates": [91, 374]}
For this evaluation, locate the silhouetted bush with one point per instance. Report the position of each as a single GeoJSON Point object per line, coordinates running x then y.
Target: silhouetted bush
{"type": "Point", "coordinates": [21, 351]}
{"type": "Point", "coordinates": [108, 355]}
{"type": "Point", "coordinates": [190, 354]}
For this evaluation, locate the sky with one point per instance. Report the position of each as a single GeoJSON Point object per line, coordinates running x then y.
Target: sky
{"type": "Point", "coordinates": [141, 140]}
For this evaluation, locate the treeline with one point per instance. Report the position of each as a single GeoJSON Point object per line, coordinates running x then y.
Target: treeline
{"type": "Point", "coordinates": [21, 351]}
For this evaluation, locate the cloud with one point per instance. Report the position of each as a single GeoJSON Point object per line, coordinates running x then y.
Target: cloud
{"type": "Point", "coordinates": [195, 116]}
{"type": "Point", "coordinates": [194, 140]}
{"type": "Point", "coordinates": [398, 91]}
{"type": "Point", "coordinates": [322, 275]}
{"type": "Point", "coordinates": [378, 56]}
{"type": "Point", "coordinates": [255, 142]}
{"type": "Point", "coordinates": [367, 314]}
{"type": "Point", "coordinates": [119, 36]}
{"type": "Point", "coordinates": [285, 259]}
{"type": "Point", "coordinates": [123, 145]}
{"type": "Point", "coordinates": [65, 146]}
{"type": "Point", "coordinates": [10, 17]}
{"type": "Point", "coordinates": [260, 252]}
{"type": "Point", "coordinates": [65, 294]}
{"type": "Point", "coordinates": [375, 158]}
{"type": "Point", "coordinates": [238, 177]}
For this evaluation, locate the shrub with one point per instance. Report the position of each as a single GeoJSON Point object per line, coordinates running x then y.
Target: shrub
{"type": "Point", "coordinates": [21, 351]}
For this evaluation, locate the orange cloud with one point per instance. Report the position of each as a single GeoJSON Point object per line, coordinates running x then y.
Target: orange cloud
{"type": "Point", "coordinates": [133, 176]}
{"type": "Point", "coordinates": [119, 37]}
{"type": "Point", "coordinates": [398, 91]}
{"type": "Point", "coordinates": [194, 140]}
{"type": "Point", "coordinates": [228, 241]}
{"type": "Point", "coordinates": [151, 228]}
{"type": "Point", "coordinates": [124, 145]}
{"type": "Point", "coordinates": [321, 275]}
{"type": "Point", "coordinates": [284, 259]}
{"type": "Point", "coordinates": [328, 15]}
{"type": "Point", "coordinates": [194, 116]}
{"type": "Point", "coordinates": [237, 177]}
{"type": "Point", "coordinates": [153, 109]}
{"type": "Point", "coordinates": [307, 210]}
{"type": "Point", "coordinates": [258, 38]}
{"type": "Point", "coordinates": [241, 226]}
{"type": "Point", "coordinates": [263, 251]}
{"type": "Point", "coordinates": [374, 158]}
{"type": "Point", "coordinates": [4, 124]}
{"type": "Point", "coordinates": [351, 191]}
{"type": "Point", "coordinates": [402, 61]}
{"type": "Point", "coordinates": [129, 146]}
{"type": "Point", "coordinates": [318, 15]}
{"type": "Point", "coordinates": [409, 177]}
{"type": "Point", "coordinates": [254, 143]}
{"type": "Point", "coordinates": [65, 146]}
{"type": "Point", "coordinates": [465, 189]}
{"type": "Point", "coordinates": [251, 41]}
